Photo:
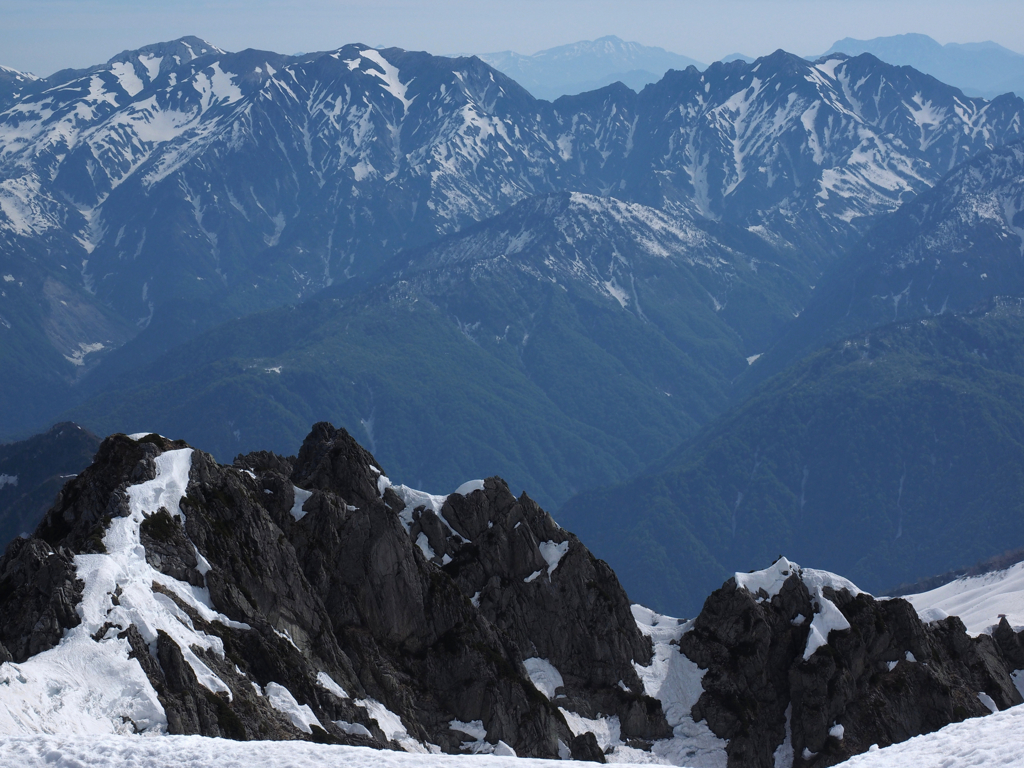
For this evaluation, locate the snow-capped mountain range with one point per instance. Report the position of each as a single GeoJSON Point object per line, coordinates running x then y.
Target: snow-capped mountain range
{"type": "Point", "coordinates": [237, 181]}
{"type": "Point", "coordinates": [948, 250]}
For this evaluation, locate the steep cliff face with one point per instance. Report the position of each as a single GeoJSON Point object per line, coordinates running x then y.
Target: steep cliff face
{"type": "Point", "coordinates": [286, 598]}
{"type": "Point", "coordinates": [804, 668]}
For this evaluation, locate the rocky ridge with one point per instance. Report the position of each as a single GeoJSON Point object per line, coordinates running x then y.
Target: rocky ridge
{"type": "Point", "coordinates": [804, 669]}
{"type": "Point", "coordinates": [285, 598]}
{"type": "Point", "coordinates": [311, 598]}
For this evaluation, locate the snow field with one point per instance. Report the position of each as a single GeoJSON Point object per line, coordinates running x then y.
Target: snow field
{"type": "Point", "coordinates": [993, 741]}
{"type": "Point", "coordinates": [44, 751]}
{"type": "Point", "coordinates": [978, 600]}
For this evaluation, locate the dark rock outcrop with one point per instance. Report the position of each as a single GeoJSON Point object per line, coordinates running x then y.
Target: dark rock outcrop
{"type": "Point", "coordinates": [38, 593]}
{"type": "Point", "coordinates": [87, 503]}
{"type": "Point", "coordinates": [541, 586]}
{"type": "Point", "coordinates": [326, 604]}
{"type": "Point", "coordinates": [585, 747]}
{"type": "Point", "coordinates": [326, 596]}
{"type": "Point", "coordinates": [886, 678]}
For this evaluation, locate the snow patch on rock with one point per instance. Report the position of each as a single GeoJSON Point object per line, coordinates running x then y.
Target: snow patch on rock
{"type": "Point", "coordinates": [827, 617]}
{"type": "Point", "coordinates": [544, 676]}
{"type": "Point", "coordinates": [301, 497]}
{"type": "Point", "coordinates": [553, 553]}
{"type": "Point", "coordinates": [301, 715]}
{"type": "Point", "coordinates": [326, 682]}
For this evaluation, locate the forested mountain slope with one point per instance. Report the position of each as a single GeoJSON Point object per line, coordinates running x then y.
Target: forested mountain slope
{"type": "Point", "coordinates": [570, 341]}
{"type": "Point", "coordinates": [890, 456]}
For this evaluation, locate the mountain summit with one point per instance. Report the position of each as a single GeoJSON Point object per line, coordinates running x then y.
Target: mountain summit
{"type": "Point", "coordinates": [587, 66]}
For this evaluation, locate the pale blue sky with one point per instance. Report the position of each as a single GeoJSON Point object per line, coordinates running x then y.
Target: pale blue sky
{"type": "Point", "coordinates": [43, 36]}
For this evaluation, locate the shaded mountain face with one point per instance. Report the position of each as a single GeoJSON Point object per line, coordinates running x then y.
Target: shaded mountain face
{"type": "Point", "coordinates": [981, 69]}
{"type": "Point", "coordinates": [179, 185]}
{"type": "Point", "coordinates": [890, 456]}
{"type": "Point", "coordinates": [587, 66]}
{"type": "Point", "coordinates": [567, 342]}
{"type": "Point", "coordinates": [33, 471]}
{"type": "Point", "coordinates": [676, 272]}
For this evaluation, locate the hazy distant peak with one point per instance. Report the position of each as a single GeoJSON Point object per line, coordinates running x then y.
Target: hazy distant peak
{"type": "Point", "coordinates": [980, 69]}
{"type": "Point", "coordinates": [737, 57]}
{"type": "Point", "coordinates": [588, 65]}
{"type": "Point", "coordinates": [987, 45]}
{"type": "Point", "coordinates": [915, 41]}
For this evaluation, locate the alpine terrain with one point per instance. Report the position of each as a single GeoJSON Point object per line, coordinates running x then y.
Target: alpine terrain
{"type": "Point", "coordinates": [311, 598]}
{"type": "Point", "coordinates": [180, 186]}
{"type": "Point", "coordinates": [713, 317]}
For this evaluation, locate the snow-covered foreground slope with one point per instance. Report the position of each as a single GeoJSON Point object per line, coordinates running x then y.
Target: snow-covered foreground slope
{"type": "Point", "coordinates": [982, 741]}
{"type": "Point", "coordinates": [202, 752]}
{"type": "Point", "coordinates": [980, 601]}
{"type": "Point", "coordinates": [986, 741]}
